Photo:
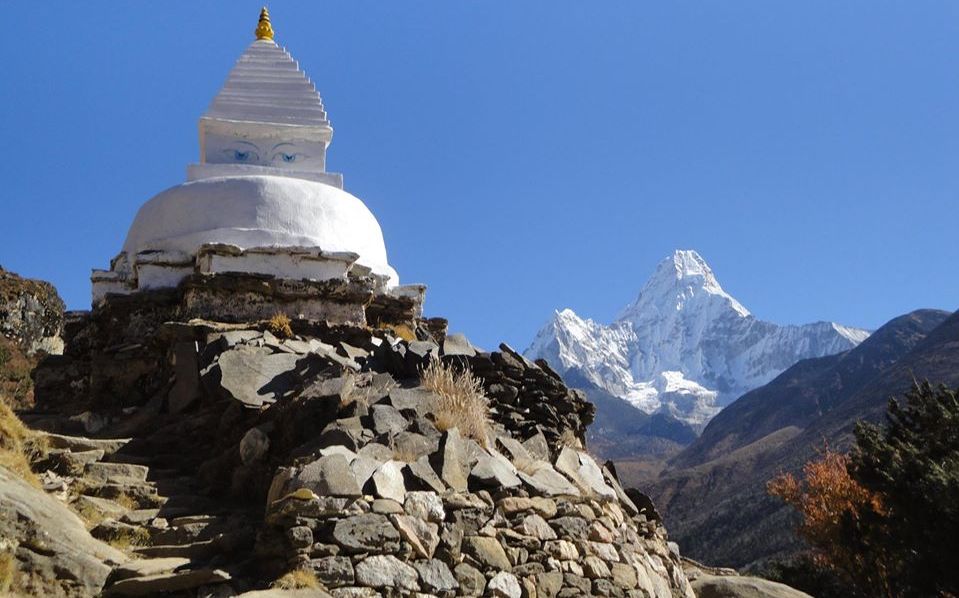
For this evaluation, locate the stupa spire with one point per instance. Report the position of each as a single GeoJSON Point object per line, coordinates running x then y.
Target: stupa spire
{"type": "Point", "coordinates": [264, 29]}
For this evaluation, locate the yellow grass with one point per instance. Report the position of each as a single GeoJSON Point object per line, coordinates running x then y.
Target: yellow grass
{"type": "Point", "coordinates": [297, 579]}
{"type": "Point", "coordinates": [125, 538]}
{"type": "Point", "coordinates": [462, 402]}
{"type": "Point", "coordinates": [279, 325]}
{"type": "Point", "coordinates": [8, 570]}
{"type": "Point", "coordinates": [19, 446]}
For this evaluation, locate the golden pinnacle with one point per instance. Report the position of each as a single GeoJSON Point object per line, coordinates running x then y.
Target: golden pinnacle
{"type": "Point", "coordinates": [264, 30]}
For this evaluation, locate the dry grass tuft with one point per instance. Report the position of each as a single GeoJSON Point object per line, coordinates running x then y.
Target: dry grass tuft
{"type": "Point", "coordinates": [297, 579]}
{"type": "Point", "coordinates": [125, 538]}
{"type": "Point", "coordinates": [8, 571]}
{"type": "Point", "coordinates": [126, 501]}
{"type": "Point", "coordinates": [279, 325]}
{"type": "Point", "coordinates": [19, 446]}
{"type": "Point", "coordinates": [462, 402]}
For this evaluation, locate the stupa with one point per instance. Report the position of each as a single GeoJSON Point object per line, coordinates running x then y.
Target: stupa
{"type": "Point", "coordinates": [259, 201]}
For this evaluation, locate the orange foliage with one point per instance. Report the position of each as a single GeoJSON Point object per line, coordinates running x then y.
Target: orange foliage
{"type": "Point", "coordinates": [832, 504]}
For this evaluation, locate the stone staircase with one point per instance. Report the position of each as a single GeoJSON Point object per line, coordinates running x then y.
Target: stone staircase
{"type": "Point", "coordinates": [136, 497]}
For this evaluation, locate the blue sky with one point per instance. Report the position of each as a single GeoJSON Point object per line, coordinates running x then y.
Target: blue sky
{"type": "Point", "coordinates": [528, 156]}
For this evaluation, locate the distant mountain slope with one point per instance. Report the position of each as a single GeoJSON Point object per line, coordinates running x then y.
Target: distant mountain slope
{"type": "Point", "coordinates": [809, 389]}
{"type": "Point", "coordinates": [713, 493]}
{"type": "Point", "coordinates": [684, 347]}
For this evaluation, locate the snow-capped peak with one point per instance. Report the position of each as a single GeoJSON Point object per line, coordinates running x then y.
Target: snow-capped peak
{"type": "Point", "coordinates": [684, 345]}
{"type": "Point", "coordinates": [682, 281]}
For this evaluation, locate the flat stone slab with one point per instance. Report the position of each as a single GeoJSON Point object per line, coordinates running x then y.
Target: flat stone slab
{"type": "Point", "coordinates": [115, 473]}
{"type": "Point", "coordinates": [149, 567]}
{"type": "Point", "coordinates": [167, 582]}
{"type": "Point", "coordinates": [255, 377]}
{"type": "Point", "coordinates": [79, 443]}
{"type": "Point", "coordinates": [329, 475]}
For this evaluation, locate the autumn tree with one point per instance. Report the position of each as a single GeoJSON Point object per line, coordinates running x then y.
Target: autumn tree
{"type": "Point", "coordinates": [886, 517]}
{"type": "Point", "coordinates": [832, 506]}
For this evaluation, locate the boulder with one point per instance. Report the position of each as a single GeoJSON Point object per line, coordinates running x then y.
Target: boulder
{"type": "Point", "coordinates": [493, 470]}
{"type": "Point", "coordinates": [388, 481]}
{"type": "Point", "coordinates": [450, 460]}
{"type": "Point", "coordinates": [369, 532]}
{"type": "Point", "coordinates": [470, 579]}
{"type": "Point", "coordinates": [457, 344]}
{"type": "Point", "coordinates": [253, 376]}
{"type": "Point", "coordinates": [422, 536]}
{"type": "Point", "coordinates": [329, 475]}
{"type": "Point", "coordinates": [435, 576]}
{"type": "Point", "coordinates": [333, 571]}
{"type": "Point", "coordinates": [584, 472]}
{"type": "Point", "coordinates": [254, 445]}
{"type": "Point", "coordinates": [387, 420]}
{"type": "Point", "coordinates": [734, 586]}
{"type": "Point", "coordinates": [49, 542]}
{"type": "Point", "coordinates": [387, 572]}
{"type": "Point", "coordinates": [186, 373]}
{"type": "Point", "coordinates": [487, 552]}
{"type": "Point", "coordinates": [504, 585]}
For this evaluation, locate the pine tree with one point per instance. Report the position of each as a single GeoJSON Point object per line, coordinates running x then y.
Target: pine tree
{"type": "Point", "coordinates": [912, 463]}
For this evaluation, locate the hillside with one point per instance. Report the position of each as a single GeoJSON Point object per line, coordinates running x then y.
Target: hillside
{"type": "Point", "coordinates": [713, 493]}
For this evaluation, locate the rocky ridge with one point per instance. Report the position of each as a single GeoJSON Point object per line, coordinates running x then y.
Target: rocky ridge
{"type": "Point", "coordinates": [250, 454]}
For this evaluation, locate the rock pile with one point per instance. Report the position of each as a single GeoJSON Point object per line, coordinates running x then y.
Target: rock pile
{"type": "Point", "coordinates": [325, 450]}
{"type": "Point", "coordinates": [31, 313]}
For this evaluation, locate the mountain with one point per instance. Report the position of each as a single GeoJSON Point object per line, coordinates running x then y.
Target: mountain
{"type": "Point", "coordinates": [713, 493]}
{"type": "Point", "coordinates": [684, 347]}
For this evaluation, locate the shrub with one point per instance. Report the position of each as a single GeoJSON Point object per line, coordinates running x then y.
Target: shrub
{"type": "Point", "coordinates": [127, 537]}
{"type": "Point", "coordinates": [832, 504]}
{"type": "Point", "coordinates": [19, 446]}
{"type": "Point", "coordinates": [279, 325]}
{"type": "Point", "coordinates": [886, 516]}
{"type": "Point", "coordinates": [297, 579]}
{"type": "Point", "coordinates": [462, 403]}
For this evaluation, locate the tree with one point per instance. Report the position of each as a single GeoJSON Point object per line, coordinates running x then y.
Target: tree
{"type": "Point", "coordinates": [832, 504]}
{"type": "Point", "coordinates": [886, 517]}
{"type": "Point", "coordinates": [913, 464]}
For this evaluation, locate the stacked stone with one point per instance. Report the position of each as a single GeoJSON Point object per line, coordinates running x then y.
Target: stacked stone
{"type": "Point", "coordinates": [332, 434]}
{"type": "Point", "coordinates": [528, 397]}
{"type": "Point", "coordinates": [473, 544]}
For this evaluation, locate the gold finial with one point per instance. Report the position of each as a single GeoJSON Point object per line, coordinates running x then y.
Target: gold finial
{"type": "Point", "coordinates": [264, 30]}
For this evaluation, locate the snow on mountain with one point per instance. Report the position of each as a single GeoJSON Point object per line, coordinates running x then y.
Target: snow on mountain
{"type": "Point", "coordinates": [684, 346]}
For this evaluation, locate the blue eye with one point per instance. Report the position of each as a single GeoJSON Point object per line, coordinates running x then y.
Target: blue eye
{"type": "Point", "coordinates": [241, 156]}
{"type": "Point", "coordinates": [289, 157]}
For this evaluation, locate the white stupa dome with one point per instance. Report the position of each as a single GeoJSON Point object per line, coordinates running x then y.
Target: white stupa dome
{"type": "Point", "coordinates": [259, 211]}
{"type": "Point", "coordinates": [260, 186]}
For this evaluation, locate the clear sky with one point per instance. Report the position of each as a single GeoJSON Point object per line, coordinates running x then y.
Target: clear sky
{"type": "Point", "coordinates": [528, 156]}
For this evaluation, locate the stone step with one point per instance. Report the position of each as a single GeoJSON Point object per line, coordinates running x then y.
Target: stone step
{"type": "Point", "coordinates": [180, 581]}
{"type": "Point", "coordinates": [89, 505]}
{"type": "Point", "coordinates": [80, 443]}
{"type": "Point", "coordinates": [144, 496]}
{"type": "Point", "coordinates": [148, 567]}
{"type": "Point", "coordinates": [188, 519]}
{"type": "Point", "coordinates": [140, 516]}
{"type": "Point", "coordinates": [196, 551]}
{"type": "Point", "coordinates": [179, 505]}
{"type": "Point", "coordinates": [184, 534]}
{"type": "Point", "coordinates": [102, 471]}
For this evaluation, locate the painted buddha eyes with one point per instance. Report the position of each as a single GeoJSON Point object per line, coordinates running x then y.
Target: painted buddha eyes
{"type": "Point", "coordinates": [252, 156]}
